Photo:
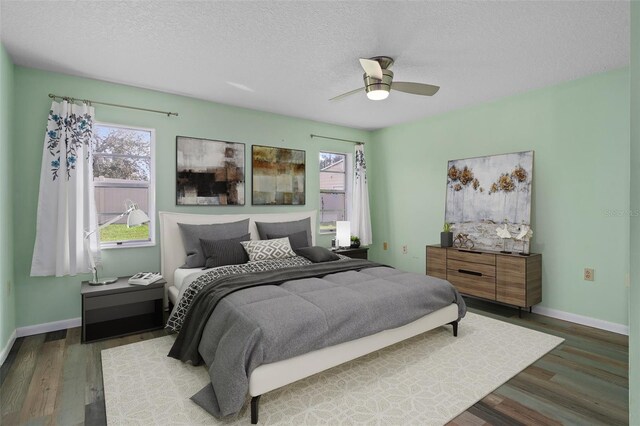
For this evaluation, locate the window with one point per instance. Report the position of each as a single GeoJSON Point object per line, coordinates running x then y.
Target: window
{"type": "Point", "coordinates": [123, 170]}
{"type": "Point", "coordinates": [334, 189]}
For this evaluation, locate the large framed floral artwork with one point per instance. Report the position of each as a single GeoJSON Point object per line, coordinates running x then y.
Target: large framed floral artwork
{"type": "Point", "coordinates": [209, 172]}
{"type": "Point", "coordinates": [486, 192]}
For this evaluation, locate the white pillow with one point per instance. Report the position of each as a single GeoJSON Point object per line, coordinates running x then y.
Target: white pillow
{"type": "Point", "coordinates": [278, 248]}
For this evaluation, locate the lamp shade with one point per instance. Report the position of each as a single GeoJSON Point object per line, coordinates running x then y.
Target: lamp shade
{"type": "Point", "coordinates": [136, 218]}
{"type": "Point", "coordinates": [343, 233]}
{"type": "Point", "coordinates": [378, 95]}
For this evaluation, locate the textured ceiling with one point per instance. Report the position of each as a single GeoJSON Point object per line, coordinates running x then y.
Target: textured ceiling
{"type": "Point", "coordinates": [291, 57]}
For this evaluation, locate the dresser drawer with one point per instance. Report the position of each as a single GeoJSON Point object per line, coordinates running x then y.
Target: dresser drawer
{"type": "Point", "coordinates": [476, 269]}
{"type": "Point", "coordinates": [471, 256]}
{"type": "Point", "coordinates": [472, 284]}
{"type": "Point", "coordinates": [117, 299]}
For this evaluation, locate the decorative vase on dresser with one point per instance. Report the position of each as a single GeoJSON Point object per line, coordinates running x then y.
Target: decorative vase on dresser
{"type": "Point", "coordinates": [446, 239]}
{"type": "Point", "coordinates": [506, 278]}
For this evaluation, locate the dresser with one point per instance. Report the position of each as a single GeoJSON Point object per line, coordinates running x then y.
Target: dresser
{"type": "Point", "coordinates": [511, 279]}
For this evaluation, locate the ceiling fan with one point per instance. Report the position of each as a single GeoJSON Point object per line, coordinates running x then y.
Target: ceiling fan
{"type": "Point", "coordinates": [378, 81]}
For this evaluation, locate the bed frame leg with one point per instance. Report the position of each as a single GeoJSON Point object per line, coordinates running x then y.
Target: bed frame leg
{"type": "Point", "coordinates": [454, 324]}
{"type": "Point", "coordinates": [254, 409]}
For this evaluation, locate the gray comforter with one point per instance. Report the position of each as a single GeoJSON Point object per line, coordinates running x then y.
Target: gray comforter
{"type": "Point", "coordinates": [281, 314]}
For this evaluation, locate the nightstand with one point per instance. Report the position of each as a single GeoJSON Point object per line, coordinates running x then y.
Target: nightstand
{"type": "Point", "coordinates": [118, 309]}
{"type": "Point", "coordinates": [354, 253]}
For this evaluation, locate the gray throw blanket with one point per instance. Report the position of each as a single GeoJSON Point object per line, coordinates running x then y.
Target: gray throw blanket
{"type": "Point", "coordinates": [284, 313]}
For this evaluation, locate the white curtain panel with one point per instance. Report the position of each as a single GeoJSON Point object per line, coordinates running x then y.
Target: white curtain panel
{"type": "Point", "coordinates": [66, 206]}
{"type": "Point", "coordinates": [360, 214]}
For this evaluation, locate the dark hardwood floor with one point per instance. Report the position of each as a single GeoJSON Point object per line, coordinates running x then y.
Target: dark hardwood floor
{"type": "Point", "coordinates": [583, 381]}
{"type": "Point", "coordinates": [53, 379]}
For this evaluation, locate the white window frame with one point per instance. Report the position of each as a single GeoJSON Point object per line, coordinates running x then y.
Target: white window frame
{"type": "Point", "coordinates": [348, 182]}
{"type": "Point", "coordinates": [152, 192]}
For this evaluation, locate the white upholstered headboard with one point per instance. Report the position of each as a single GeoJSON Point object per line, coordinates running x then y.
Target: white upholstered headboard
{"type": "Point", "coordinates": [172, 252]}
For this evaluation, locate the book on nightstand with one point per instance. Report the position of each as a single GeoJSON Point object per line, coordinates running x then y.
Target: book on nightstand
{"type": "Point", "coordinates": [145, 278]}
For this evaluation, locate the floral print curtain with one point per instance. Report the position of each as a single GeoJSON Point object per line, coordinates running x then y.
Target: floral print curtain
{"type": "Point", "coordinates": [360, 214]}
{"type": "Point", "coordinates": [66, 206]}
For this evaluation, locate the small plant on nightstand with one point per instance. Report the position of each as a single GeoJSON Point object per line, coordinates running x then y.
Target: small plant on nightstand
{"type": "Point", "coordinates": [355, 241]}
{"type": "Point", "coordinates": [446, 236]}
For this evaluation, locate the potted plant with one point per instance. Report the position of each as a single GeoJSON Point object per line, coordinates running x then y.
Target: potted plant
{"type": "Point", "coordinates": [355, 241]}
{"type": "Point", "coordinates": [446, 236]}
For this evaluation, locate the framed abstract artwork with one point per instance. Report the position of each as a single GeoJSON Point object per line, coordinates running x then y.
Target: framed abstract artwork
{"type": "Point", "coordinates": [278, 176]}
{"type": "Point", "coordinates": [209, 172]}
{"type": "Point", "coordinates": [485, 192]}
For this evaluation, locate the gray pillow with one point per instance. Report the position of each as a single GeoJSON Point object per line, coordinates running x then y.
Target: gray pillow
{"type": "Point", "coordinates": [191, 235]}
{"type": "Point", "coordinates": [317, 254]}
{"type": "Point", "coordinates": [224, 252]}
{"type": "Point", "coordinates": [285, 228]}
{"type": "Point", "coordinates": [297, 239]}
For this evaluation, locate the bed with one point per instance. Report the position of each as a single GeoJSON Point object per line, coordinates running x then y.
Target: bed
{"type": "Point", "coordinates": [268, 372]}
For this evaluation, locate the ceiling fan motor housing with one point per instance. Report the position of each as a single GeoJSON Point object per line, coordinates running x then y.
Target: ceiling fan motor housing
{"type": "Point", "coordinates": [372, 83]}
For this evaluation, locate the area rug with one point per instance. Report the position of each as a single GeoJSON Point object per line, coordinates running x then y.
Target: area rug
{"type": "Point", "coordinates": [426, 380]}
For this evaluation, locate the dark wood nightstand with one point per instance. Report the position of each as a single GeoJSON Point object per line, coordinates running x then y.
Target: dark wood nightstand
{"type": "Point", "coordinates": [354, 253]}
{"type": "Point", "coordinates": [118, 309]}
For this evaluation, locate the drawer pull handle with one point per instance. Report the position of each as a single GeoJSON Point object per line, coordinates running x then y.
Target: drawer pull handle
{"type": "Point", "coordinates": [469, 251]}
{"type": "Point", "coordinates": [464, 271]}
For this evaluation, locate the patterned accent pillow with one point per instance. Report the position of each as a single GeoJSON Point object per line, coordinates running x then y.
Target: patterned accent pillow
{"type": "Point", "coordinates": [279, 248]}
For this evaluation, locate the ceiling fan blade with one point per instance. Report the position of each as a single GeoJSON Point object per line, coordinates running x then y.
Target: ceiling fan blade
{"type": "Point", "coordinates": [415, 88]}
{"type": "Point", "coordinates": [344, 95]}
{"type": "Point", "coordinates": [371, 68]}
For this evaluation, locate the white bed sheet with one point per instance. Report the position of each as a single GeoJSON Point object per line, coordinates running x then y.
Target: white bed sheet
{"type": "Point", "coordinates": [180, 274]}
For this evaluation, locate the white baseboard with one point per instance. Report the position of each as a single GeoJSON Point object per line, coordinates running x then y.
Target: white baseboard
{"type": "Point", "coordinates": [49, 326]}
{"type": "Point", "coordinates": [7, 348]}
{"type": "Point", "coordinates": [37, 329]}
{"type": "Point", "coordinates": [580, 319]}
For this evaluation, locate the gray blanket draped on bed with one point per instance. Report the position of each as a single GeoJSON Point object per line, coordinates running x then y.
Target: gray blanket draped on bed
{"type": "Point", "coordinates": [284, 313]}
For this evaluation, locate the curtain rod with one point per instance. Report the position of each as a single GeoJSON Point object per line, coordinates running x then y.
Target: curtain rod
{"type": "Point", "coordinates": [336, 139]}
{"type": "Point", "coordinates": [88, 101]}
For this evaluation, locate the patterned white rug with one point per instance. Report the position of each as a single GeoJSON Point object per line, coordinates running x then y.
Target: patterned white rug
{"type": "Point", "coordinates": [426, 380]}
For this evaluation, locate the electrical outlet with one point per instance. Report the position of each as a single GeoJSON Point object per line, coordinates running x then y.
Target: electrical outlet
{"type": "Point", "coordinates": [385, 246]}
{"type": "Point", "coordinates": [405, 250]}
{"type": "Point", "coordinates": [589, 274]}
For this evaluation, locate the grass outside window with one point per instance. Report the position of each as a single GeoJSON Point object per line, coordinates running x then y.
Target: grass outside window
{"type": "Point", "coordinates": [119, 232]}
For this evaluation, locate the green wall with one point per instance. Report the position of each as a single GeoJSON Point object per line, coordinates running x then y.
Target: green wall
{"type": "Point", "coordinates": [634, 299]}
{"type": "Point", "coordinates": [7, 291]}
{"type": "Point", "coordinates": [41, 300]}
{"type": "Point", "coordinates": [580, 134]}
{"type": "Point", "coordinates": [579, 131]}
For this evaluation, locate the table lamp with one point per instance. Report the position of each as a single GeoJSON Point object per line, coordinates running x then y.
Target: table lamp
{"type": "Point", "coordinates": [135, 217]}
{"type": "Point", "coordinates": [343, 233]}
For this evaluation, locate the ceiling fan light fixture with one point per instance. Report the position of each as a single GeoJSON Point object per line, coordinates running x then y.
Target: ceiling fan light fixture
{"type": "Point", "coordinates": [378, 81]}
{"type": "Point", "coordinates": [377, 94]}
{"type": "Point", "coordinates": [376, 89]}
